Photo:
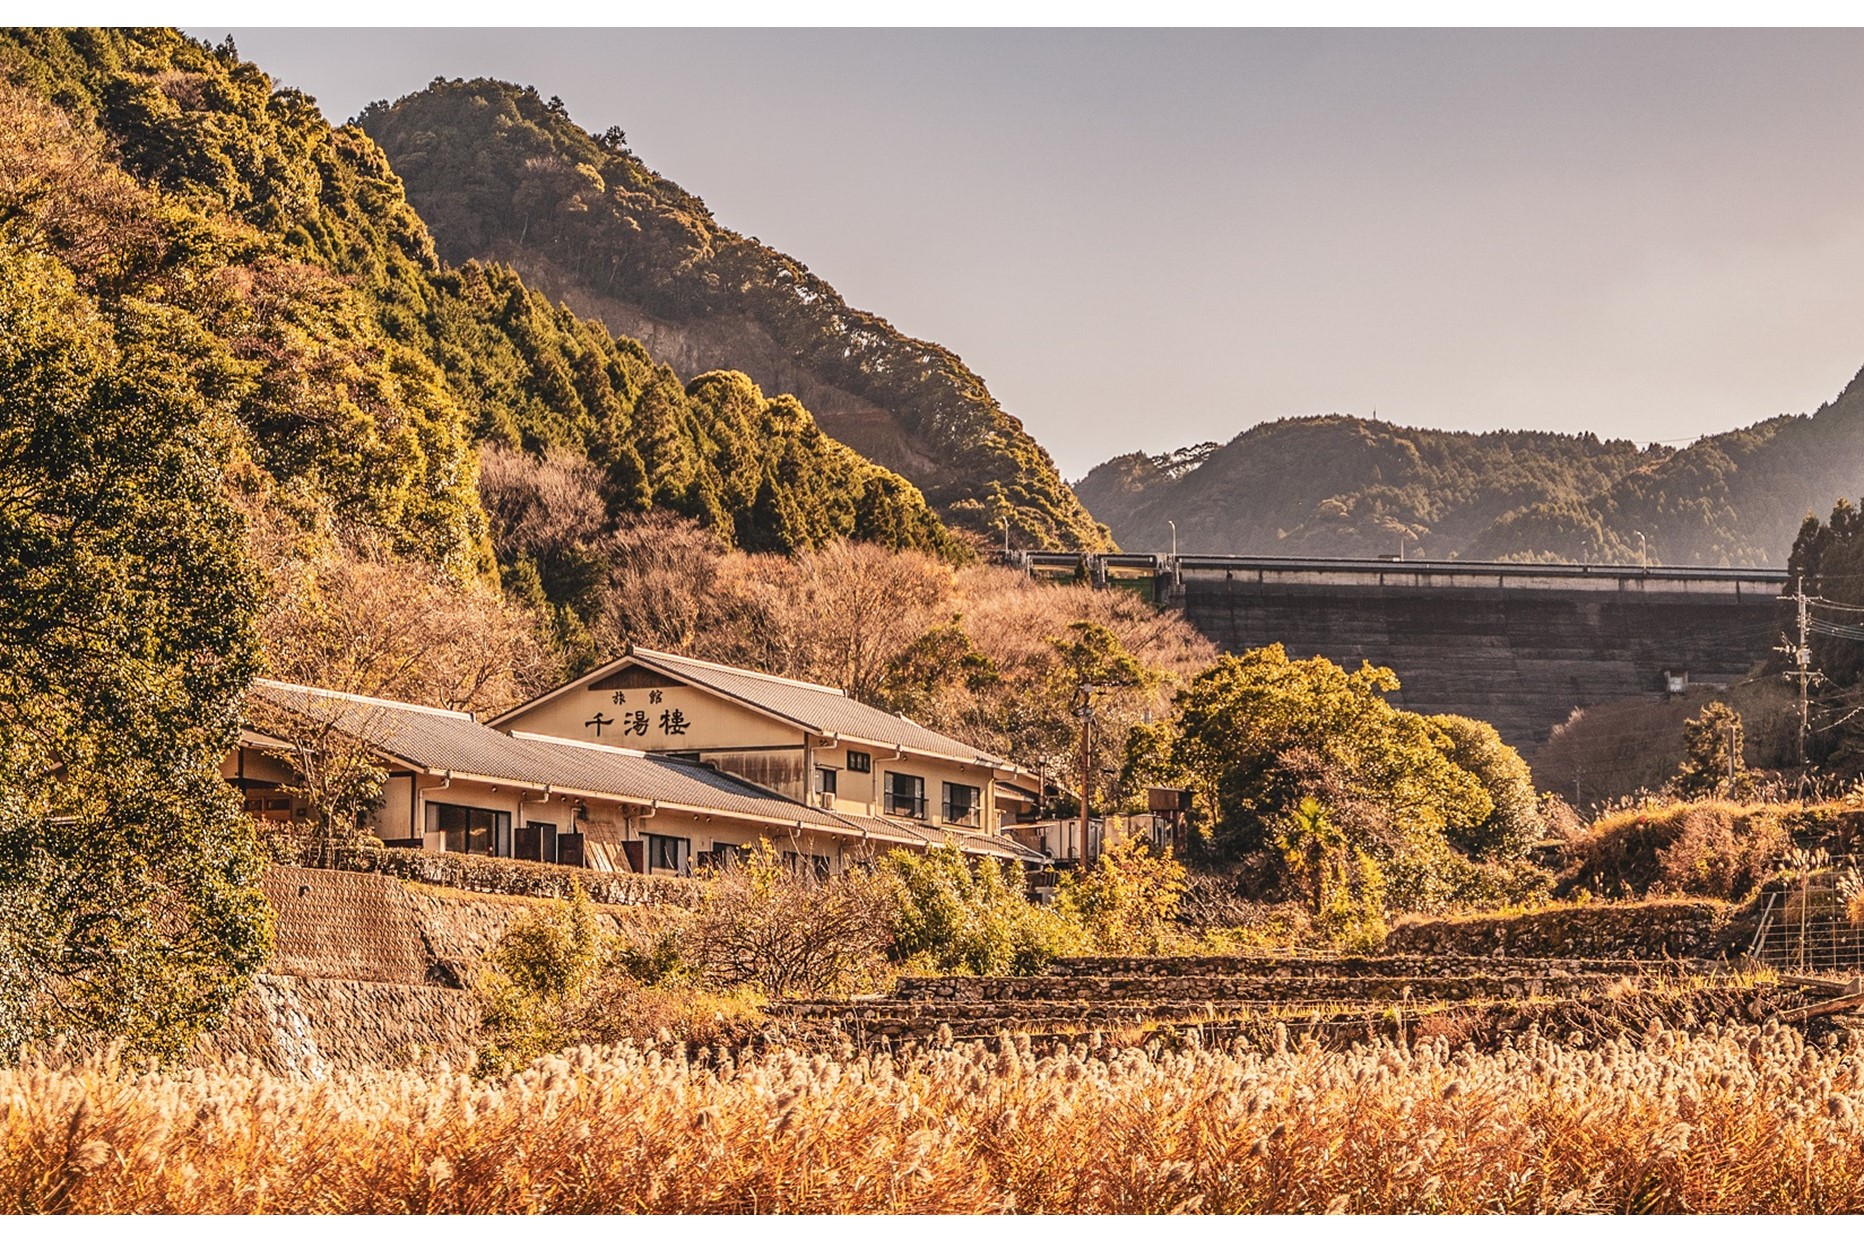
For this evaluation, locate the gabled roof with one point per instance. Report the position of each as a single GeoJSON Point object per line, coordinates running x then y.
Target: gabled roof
{"type": "Point", "coordinates": [437, 741]}
{"type": "Point", "coordinates": [821, 710]}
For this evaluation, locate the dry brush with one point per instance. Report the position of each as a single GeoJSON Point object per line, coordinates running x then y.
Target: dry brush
{"type": "Point", "coordinates": [1736, 1120]}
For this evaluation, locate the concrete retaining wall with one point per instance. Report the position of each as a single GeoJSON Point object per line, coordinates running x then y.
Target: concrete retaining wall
{"type": "Point", "coordinates": [1519, 656]}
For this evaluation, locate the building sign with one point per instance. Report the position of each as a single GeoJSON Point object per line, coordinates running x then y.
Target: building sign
{"type": "Point", "coordinates": [638, 723]}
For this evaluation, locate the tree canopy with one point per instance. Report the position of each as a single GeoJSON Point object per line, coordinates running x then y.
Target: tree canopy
{"type": "Point", "coordinates": [128, 905]}
{"type": "Point", "coordinates": [499, 171]}
{"type": "Point", "coordinates": [1261, 736]}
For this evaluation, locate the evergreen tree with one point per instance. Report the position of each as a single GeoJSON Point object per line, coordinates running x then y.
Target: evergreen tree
{"type": "Point", "coordinates": [1712, 763]}
{"type": "Point", "coordinates": [128, 905]}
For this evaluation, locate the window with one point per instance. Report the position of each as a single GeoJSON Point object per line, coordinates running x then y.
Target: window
{"type": "Point", "coordinates": [270, 806]}
{"type": "Point", "coordinates": [825, 780]}
{"type": "Point", "coordinates": [906, 795]}
{"type": "Point", "coordinates": [668, 854]}
{"type": "Point", "coordinates": [804, 865]}
{"type": "Point", "coordinates": [963, 804]}
{"type": "Point", "coordinates": [729, 855]}
{"type": "Point", "coordinates": [860, 762]}
{"type": "Point", "coordinates": [537, 840]}
{"type": "Point", "coordinates": [471, 830]}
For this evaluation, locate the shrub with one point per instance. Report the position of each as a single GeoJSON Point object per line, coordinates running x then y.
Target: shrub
{"type": "Point", "coordinates": [518, 877]}
{"type": "Point", "coordinates": [1712, 848]}
{"type": "Point", "coordinates": [1719, 852]}
{"type": "Point", "coordinates": [784, 930]}
{"type": "Point", "coordinates": [556, 979]}
{"type": "Point", "coordinates": [951, 916]}
{"type": "Point", "coordinates": [1128, 902]}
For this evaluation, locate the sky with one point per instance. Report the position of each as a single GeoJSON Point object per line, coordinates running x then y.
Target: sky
{"type": "Point", "coordinates": [1146, 239]}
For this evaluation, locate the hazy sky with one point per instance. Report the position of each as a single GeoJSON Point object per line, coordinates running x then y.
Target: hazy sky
{"type": "Point", "coordinates": [1145, 239]}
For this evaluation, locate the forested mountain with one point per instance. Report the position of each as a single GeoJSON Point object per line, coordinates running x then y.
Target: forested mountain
{"type": "Point", "coordinates": [1342, 486]}
{"type": "Point", "coordinates": [500, 173]}
{"type": "Point", "coordinates": [368, 368]}
{"type": "Point", "coordinates": [1336, 485]}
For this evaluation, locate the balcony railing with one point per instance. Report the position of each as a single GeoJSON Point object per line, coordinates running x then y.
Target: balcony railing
{"type": "Point", "coordinates": [965, 815]}
{"type": "Point", "coordinates": [902, 804]}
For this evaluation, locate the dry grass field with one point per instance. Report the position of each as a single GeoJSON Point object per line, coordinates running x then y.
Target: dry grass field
{"type": "Point", "coordinates": [1726, 1120]}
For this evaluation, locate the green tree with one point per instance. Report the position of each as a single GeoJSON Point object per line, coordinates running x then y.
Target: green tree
{"type": "Point", "coordinates": [952, 916]}
{"type": "Point", "coordinates": [1239, 718]}
{"type": "Point", "coordinates": [1346, 889]}
{"type": "Point", "coordinates": [1128, 901]}
{"type": "Point", "coordinates": [128, 906]}
{"type": "Point", "coordinates": [1712, 763]}
{"type": "Point", "coordinates": [1257, 734]}
{"type": "Point", "coordinates": [1515, 823]}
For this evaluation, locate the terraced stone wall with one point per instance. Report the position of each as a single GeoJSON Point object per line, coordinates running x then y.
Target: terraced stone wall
{"type": "Point", "coordinates": [318, 1028]}
{"type": "Point", "coordinates": [1644, 930]}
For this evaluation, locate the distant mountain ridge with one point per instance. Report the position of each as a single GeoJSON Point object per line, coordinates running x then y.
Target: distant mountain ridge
{"type": "Point", "coordinates": [499, 173]}
{"type": "Point", "coordinates": [1340, 485]}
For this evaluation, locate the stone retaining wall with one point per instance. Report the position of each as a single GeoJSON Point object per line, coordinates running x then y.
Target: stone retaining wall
{"type": "Point", "coordinates": [520, 877]}
{"type": "Point", "coordinates": [317, 1028]}
{"type": "Point", "coordinates": [1644, 930]}
{"type": "Point", "coordinates": [1288, 966]}
{"type": "Point", "coordinates": [1248, 988]}
{"type": "Point", "coordinates": [343, 926]}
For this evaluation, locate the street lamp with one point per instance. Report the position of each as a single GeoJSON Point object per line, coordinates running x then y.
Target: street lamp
{"type": "Point", "coordinates": [1642, 560]}
{"type": "Point", "coordinates": [1174, 538]}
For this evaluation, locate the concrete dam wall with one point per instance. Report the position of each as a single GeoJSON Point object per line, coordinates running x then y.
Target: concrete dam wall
{"type": "Point", "coordinates": [1517, 645]}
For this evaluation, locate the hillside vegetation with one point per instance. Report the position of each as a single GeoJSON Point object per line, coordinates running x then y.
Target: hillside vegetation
{"type": "Point", "coordinates": [398, 363]}
{"type": "Point", "coordinates": [499, 172]}
{"type": "Point", "coordinates": [1337, 485]}
{"type": "Point", "coordinates": [242, 412]}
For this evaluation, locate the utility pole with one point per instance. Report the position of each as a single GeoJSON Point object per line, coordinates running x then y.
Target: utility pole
{"type": "Point", "coordinates": [1084, 708]}
{"type": "Point", "coordinates": [1087, 761]}
{"type": "Point", "coordinates": [1801, 652]}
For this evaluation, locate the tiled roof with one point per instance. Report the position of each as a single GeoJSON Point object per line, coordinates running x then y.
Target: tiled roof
{"type": "Point", "coordinates": [822, 710]}
{"type": "Point", "coordinates": [967, 840]}
{"type": "Point", "coordinates": [439, 741]}
{"type": "Point", "coordinates": [436, 740]}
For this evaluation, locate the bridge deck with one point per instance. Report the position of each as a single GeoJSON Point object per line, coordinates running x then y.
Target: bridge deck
{"type": "Point", "coordinates": [1519, 645]}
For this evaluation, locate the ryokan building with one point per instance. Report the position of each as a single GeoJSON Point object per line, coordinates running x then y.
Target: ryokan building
{"type": "Point", "coordinates": [653, 763]}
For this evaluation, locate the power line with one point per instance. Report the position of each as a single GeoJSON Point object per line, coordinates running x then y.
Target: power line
{"type": "Point", "coordinates": [1802, 671]}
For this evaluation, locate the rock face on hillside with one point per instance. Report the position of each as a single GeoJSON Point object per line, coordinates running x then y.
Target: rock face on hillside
{"type": "Point", "coordinates": [499, 173]}
{"type": "Point", "coordinates": [1339, 486]}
